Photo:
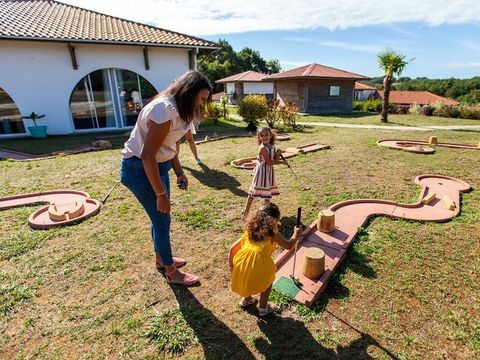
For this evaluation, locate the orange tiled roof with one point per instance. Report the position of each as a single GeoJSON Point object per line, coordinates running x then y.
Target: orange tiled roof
{"type": "Point", "coordinates": [315, 71]}
{"type": "Point", "coordinates": [417, 97]}
{"type": "Point", "coordinates": [246, 76]}
{"type": "Point", "coordinates": [360, 86]}
{"type": "Point", "coordinates": [217, 96]}
{"type": "Point", "coordinates": [56, 21]}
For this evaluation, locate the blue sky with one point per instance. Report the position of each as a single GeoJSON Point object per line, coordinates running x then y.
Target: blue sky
{"type": "Point", "coordinates": [442, 35]}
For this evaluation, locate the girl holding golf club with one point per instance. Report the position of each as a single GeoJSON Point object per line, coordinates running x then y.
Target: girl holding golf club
{"type": "Point", "coordinates": [264, 185]}
{"type": "Point", "coordinates": [250, 258]}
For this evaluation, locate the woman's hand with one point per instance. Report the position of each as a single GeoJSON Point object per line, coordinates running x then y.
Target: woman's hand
{"type": "Point", "coordinates": [163, 203]}
{"type": "Point", "coordinates": [297, 233]}
{"type": "Point", "coordinates": [182, 182]}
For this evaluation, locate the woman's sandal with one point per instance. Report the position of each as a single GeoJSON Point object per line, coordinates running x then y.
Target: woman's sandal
{"type": "Point", "coordinates": [269, 309]}
{"type": "Point", "coordinates": [187, 279]}
{"type": "Point", "coordinates": [245, 302]}
{"type": "Point", "coordinates": [178, 262]}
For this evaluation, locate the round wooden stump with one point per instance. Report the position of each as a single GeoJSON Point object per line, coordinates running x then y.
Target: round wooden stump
{"type": "Point", "coordinates": [313, 263]}
{"type": "Point", "coordinates": [326, 221]}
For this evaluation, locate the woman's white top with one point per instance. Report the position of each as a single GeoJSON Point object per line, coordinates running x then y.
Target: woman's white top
{"type": "Point", "coordinates": [159, 110]}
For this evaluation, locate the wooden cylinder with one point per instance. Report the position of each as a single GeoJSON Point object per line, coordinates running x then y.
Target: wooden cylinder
{"type": "Point", "coordinates": [313, 263]}
{"type": "Point", "coordinates": [326, 221]}
{"type": "Point", "coordinates": [433, 140]}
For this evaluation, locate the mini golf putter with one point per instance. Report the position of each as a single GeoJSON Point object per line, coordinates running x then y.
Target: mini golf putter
{"type": "Point", "coordinates": [294, 279]}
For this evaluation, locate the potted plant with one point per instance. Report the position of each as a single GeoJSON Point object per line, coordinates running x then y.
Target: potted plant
{"type": "Point", "coordinates": [36, 131]}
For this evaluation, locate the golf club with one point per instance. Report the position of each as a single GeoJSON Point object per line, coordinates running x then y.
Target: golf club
{"type": "Point", "coordinates": [296, 176]}
{"type": "Point", "coordinates": [106, 196]}
{"type": "Point", "coordinates": [294, 279]}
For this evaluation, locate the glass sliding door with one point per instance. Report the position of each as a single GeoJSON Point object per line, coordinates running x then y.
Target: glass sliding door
{"type": "Point", "coordinates": [10, 118]}
{"type": "Point", "coordinates": [109, 98]}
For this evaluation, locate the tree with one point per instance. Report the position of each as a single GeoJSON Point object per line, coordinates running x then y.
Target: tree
{"type": "Point", "coordinates": [273, 66]}
{"type": "Point", "coordinates": [251, 60]}
{"type": "Point", "coordinates": [392, 63]}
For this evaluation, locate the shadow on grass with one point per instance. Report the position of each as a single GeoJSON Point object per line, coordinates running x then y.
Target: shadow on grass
{"type": "Point", "coordinates": [216, 338]}
{"type": "Point", "coordinates": [288, 339]}
{"type": "Point", "coordinates": [217, 180]}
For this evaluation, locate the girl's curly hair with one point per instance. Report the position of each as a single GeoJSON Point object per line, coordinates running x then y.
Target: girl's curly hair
{"type": "Point", "coordinates": [263, 223]}
{"type": "Point", "coordinates": [273, 136]}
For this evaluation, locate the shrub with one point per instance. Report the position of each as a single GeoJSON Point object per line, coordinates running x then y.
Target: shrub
{"type": "Point", "coordinates": [446, 110]}
{"type": "Point", "coordinates": [370, 105]}
{"type": "Point", "coordinates": [212, 111]}
{"type": "Point", "coordinates": [415, 109]}
{"type": "Point", "coordinates": [288, 114]}
{"type": "Point", "coordinates": [253, 108]}
{"type": "Point", "coordinates": [470, 112]}
{"type": "Point", "coordinates": [273, 115]}
{"type": "Point", "coordinates": [427, 110]}
{"type": "Point", "coordinates": [223, 104]}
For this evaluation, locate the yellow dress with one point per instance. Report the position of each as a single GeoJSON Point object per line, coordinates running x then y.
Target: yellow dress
{"type": "Point", "coordinates": [253, 266]}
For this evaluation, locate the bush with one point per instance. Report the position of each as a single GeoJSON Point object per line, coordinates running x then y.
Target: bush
{"type": "Point", "coordinates": [273, 115]}
{"type": "Point", "coordinates": [446, 110]}
{"type": "Point", "coordinates": [288, 114]}
{"type": "Point", "coordinates": [223, 105]}
{"type": "Point", "coordinates": [253, 108]}
{"type": "Point", "coordinates": [427, 110]}
{"type": "Point", "coordinates": [415, 109]}
{"type": "Point", "coordinates": [212, 111]}
{"type": "Point", "coordinates": [470, 112]}
{"type": "Point", "coordinates": [371, 105]}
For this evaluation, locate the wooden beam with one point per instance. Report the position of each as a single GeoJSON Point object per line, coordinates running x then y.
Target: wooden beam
{"type": "Point", "coordinates": [73, 57]}
{"type": "Point", "coordinates": [145, 58]}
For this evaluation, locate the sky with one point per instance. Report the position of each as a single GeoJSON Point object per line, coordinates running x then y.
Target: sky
{"type": "Point", "coordinates": [440, 37]}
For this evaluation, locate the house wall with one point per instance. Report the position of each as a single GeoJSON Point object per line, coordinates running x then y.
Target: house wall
{"type": "Point", "coordinates": [291, 91]}
{"type": "Point", "coordinates": [258, 88]}
{"type": "Point", "coordinates": [39, 76]}
{"type": "Point", "coordinates": [312, 96]}
{"type": "Point", "coordinates": [230, 88]}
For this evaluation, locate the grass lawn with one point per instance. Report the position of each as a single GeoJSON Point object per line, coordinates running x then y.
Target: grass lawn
{"type": "Point", "coordinates": [407, 290]}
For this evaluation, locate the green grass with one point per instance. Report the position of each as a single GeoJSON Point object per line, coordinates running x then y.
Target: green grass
{"type": "Point", "coordinates": [405, 288]}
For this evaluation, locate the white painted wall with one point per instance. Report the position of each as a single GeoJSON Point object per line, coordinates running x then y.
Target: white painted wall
{"type": "Point", "coordinates": [39, 76]}
{"type": "Point", "coordinates": [257, 88]}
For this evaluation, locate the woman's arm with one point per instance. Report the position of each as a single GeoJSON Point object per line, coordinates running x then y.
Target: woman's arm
{"type": "Point", "coordinates": [233, 250]}
{"type": "Point", "coordinates": [290, 243]}
{"type": "Point", "coordinates": [156, 134]}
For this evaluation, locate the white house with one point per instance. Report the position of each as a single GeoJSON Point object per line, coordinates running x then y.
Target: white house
{"type": "Point", "coordinates": [83, 70]}
{"type": "Point", "coordinates": [248, 82]}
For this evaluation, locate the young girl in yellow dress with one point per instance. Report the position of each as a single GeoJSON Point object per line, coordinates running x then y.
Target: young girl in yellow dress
{"type": "Point", "coordinates": [250, 258]}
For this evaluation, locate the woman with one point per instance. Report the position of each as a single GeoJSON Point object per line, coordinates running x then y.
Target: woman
{"type": "Point", "coordinates": [151, 151]}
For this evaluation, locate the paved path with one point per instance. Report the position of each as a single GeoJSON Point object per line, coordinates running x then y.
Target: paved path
{"type": "Point", "coordinates": [395, 127]}
{"type": "Point", "coordinates": [384, 127]}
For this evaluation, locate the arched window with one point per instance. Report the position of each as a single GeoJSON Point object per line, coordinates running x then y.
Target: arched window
{"type": "Point", "coordinates": [10, 118]}
{"type": "Point", "coordinates": [109, 98]}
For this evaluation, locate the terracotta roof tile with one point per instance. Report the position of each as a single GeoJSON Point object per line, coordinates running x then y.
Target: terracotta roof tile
{"type": "Point", "coordinates": [245, 76]}
{"type": "Point", "coordinates": [315, 71]}
{"type": "Point", "coordinates": [53, 20]}
{"type": "Point", "coordinates": [417, 97]}
{"type": "Point", "coordinates": [360, 86]}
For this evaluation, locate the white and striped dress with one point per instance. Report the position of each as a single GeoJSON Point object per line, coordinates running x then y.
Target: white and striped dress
{"type": "Point", "coordinates": [264, 184]}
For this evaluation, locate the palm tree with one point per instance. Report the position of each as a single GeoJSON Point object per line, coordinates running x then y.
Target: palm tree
{"type": "Point", "coordinates": [392, 63]}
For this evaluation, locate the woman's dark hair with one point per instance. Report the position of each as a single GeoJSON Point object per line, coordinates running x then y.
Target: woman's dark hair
{"type": "Point", "coordinates": [263, 223]}
{"type": "Point", "coordinates": [185, 89]}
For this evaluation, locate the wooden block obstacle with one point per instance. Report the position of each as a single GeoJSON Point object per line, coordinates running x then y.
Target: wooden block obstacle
{"type": "Point", "coordinates": [56, 214]}
{"type": "Point", "coordinates": [313, 263]}
{"type": "Point", "coordinates": [326, 221]}
{"type": "Point", "coordinates": [449, 203]}
{"type": "Point", "coordinates": [293, 150]}
{"type": "Point", "coordinates": [105, 144]}
{"type": "Point", "coordinates": [429, 198]}
{"type": "Point", "coordinates": [433, 140]}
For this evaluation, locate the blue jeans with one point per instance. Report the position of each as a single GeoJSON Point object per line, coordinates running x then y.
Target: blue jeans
{"type": "Point", "coordinates": [133, 176]}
